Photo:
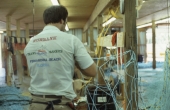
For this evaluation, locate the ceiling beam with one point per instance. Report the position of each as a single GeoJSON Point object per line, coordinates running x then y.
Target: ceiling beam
{"type": "Point", "coordinates": [99, 8]}
{"type": "Point", "coordinates": [158, 15]}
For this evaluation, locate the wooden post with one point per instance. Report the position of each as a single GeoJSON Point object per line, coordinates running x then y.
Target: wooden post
{"type": "Point", "coordinates": [27, 30]}
{"type": "Point", "coordinates": [145, 56]}
{"type": "Point", "coordinates": [8, 25]}
{"type": "Point", "coordinates": [87, 34]}
{"type": "Point", "coordinates": [91, 39]}
{"type": "Point", "coordinates": [18, 28]}
{"type": "Point", "coordinates": [153, 45]}
{"type": "Point", "coordinates": [20, 70]}
{"type": "Point", "coordinates": [131, 86]}
{"type": "Point", "coordinates": [83, 38]}
{"type": "Point", "coordinates": [100, 51]}
{"type": "Point", "coordinates": [139, 41]}
{"type": "Point", "coordinates": [6, 53]}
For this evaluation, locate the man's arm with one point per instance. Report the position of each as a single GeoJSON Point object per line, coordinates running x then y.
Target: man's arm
{"type": "Point", "coordinates": [91, 71]}
{"type": "Point", "coordinates": [83, 60]}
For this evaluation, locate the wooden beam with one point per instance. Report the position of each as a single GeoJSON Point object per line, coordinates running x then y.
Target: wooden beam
{"type": "Point", "coordinates": [99, 24]}
{"type": "Point", "coordinates": [100, 52]}
{"type": "Point", "coordinates": [153, 45]}
{"type": "Point", "coordinates": [99, 8]}
{"type": "Point", "coordinates": [27, 30]}
{"type": "Point", "coordinates": [8, 25]}
{"type": "Point", "coordinates": [131, 84]}
{"type": "Point", "coordinates": [155, 15]}
{"type": "Point", "coordinates": [18, 28]}
{"type": "Point", "coordinates": [91, 39]}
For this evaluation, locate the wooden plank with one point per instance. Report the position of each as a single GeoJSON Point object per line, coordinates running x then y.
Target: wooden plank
{"type": "Point", "coordinates": [99, 8]}
{"type": "Point", "coordinates": [91, 39]}
{"type": "Point", "coordinates": [153, 45]}
{"type": "Point", "coordinates": [130, 44]}
{"type": "Point", "coordinates": [105, 41]}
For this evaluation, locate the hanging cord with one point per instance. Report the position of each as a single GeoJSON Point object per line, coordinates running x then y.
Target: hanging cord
{"type": "Point", "coordinates": [33, 13]}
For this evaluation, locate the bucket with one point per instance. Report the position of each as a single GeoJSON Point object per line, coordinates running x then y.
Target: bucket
{"type": "Point", "coordinates": [99, 99]}
{"type": "Point", "coordinates": [140, 58]}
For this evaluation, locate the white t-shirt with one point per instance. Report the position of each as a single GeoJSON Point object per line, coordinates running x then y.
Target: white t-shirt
{"type": "Point", "coordinates": [50, 57]}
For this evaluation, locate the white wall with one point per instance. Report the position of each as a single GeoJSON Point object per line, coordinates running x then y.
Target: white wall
{"type": "Point", "coordinates": [22, 33]}
{"type": "Point", "coordinates": [162, 40]}
{"type": "Point", "coordinates": [76, 32]}
{"type": "Point", "coordinates": [142, 42]}
{"type": "Point", "coordinates": [95, 34]}
{"type": "Point", "coordinates": [79, 33]}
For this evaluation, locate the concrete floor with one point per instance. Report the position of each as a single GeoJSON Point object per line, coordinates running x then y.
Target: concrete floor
{"type": "Point", "coordinates": [23, 87]}
{"type": "Point", "coordinates": [150, 87]}
{"type": "Point", "coordinates": [149, 81]}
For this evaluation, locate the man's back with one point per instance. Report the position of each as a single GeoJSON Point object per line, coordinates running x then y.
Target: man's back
{"type": "Point", "coordinates": [50, 57]}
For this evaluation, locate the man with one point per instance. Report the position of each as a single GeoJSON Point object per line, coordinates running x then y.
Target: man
{"type": "Point", "coordinates": [51, 57]}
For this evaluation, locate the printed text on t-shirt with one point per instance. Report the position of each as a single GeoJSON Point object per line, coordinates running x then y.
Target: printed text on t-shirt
{"type": "Point", "coordinates": [45, 39]}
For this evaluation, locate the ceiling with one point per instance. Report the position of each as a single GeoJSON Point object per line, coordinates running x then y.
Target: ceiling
{"type": "Point", "coordinates": [79, 12]}
{"type": "Point", "coordinates": [153, 10]}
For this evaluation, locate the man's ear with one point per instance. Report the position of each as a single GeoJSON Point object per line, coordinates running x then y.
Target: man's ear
{"type": "Point", "coordinates": [62, 21]}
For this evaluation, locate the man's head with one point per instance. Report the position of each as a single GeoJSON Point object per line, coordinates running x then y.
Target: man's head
{"type": "Point", "coordinates": [56, 15]}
